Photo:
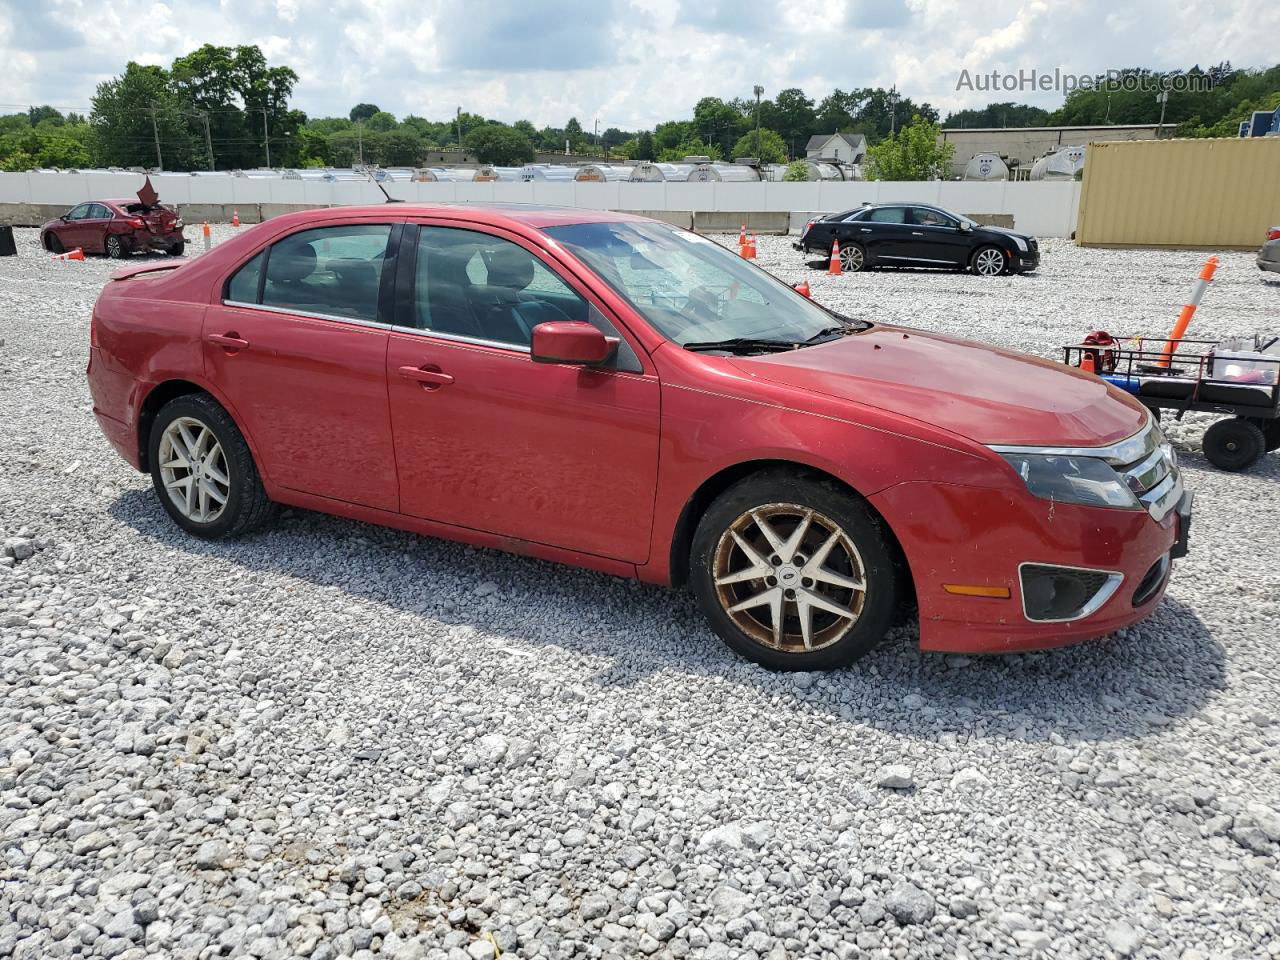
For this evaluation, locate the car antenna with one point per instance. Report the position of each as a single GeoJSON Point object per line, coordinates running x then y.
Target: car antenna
{"type": "Point", "coordinates": [378, 183]}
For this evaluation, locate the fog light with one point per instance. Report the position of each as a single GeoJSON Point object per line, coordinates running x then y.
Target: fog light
{"type": "Point", "coordinates": [1056, 594]}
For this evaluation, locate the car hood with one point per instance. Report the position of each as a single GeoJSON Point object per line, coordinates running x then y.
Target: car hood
{"type": "Point", "coordinates": [1005, 231]}
{"type": "Point", "coordinates": [973, 389]}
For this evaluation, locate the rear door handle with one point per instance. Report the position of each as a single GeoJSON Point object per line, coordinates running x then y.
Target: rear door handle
{"type": "Point", "coordinates": [917, 233]}
{"type": "Point", "coordinates": [866, 229]}
{"type": "Point", "coordinates": [429, 375]}
{"type": "Point", "coordinates": [228, 341]}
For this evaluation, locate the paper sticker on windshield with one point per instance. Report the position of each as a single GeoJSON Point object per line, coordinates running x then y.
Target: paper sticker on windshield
{"type": "Point", "coordinates": [690, 237]}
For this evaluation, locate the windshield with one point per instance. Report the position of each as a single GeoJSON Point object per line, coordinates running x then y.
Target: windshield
{"type": "Point", "coordinates": [690, 288]}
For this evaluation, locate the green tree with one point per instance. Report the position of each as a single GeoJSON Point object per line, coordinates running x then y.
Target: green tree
{"type": "Point", "coordinates": [717, 122]}
{"type": "Point", "coordinates": [381, 121]}
{"type": "Point", "coordinates": [769, 149]}
{"type": "Point", "coordinates": [17, 162]}
{"type": "Point", "coordinates": [499, 144]}
{"type": "Point", "coordinates": [244, 98]}
{"type": "Point", "coordinates": [644, 146]}
{"type": "Point", "coordinates": [37, 114]}
{"type": "Point", "coordinates": [797, 170]}
{"type": "Point", "coordinates": [573, 132]}
{"type": "Point", "coordinates": [363, 111]}
{"type": "Point", "coordinates": [792, 115]}
{"type": "Point", "coordinates": [122, 113]}
{"type": "Point", "coordinates": [690, 148]}
{"type": "Point", "coordinates": [913, 154]}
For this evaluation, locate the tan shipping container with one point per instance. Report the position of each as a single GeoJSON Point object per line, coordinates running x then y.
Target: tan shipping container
{"type": "Point", "coordinates": [1180, 193]}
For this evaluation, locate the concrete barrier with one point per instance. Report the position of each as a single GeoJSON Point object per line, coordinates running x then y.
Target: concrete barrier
{"type": "Point", "coordinates": [760, 221]}
{"type": "Point", "coordinates": [30, 214]}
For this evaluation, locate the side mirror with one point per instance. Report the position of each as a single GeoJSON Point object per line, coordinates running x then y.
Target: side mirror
{"type": "Point", "coordinates": [965, 226]}
{"type": "Point", "coordinates": [571, 342]}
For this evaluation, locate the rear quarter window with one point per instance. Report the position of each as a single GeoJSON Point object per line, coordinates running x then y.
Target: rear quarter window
{"type": "Point", "coordinates": [245, 283]}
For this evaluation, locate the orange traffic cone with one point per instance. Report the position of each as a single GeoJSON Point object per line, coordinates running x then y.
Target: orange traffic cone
{"type": "Point", "coordinates": [752, 245]}
{"type": "Point", "coordinates": [235, 218]}
{"type": "Point", "coordinates": [834, 269]}
{"type": "Point", "coordinates": [742, 236]}
{"type": "Point", "coordinates": [208, 239]}
{"type": "Point", "coordinates": [802, 288]}
{"type": "Point", "coordinates": [75, 254]}
{"type": "Point", "coordinates": [1087, 363]}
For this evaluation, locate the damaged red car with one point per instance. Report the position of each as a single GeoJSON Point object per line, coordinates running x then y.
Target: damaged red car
{"type": "Point", "coordinates": [117, 228]}
{"type": "Point", "coordinates": [611, 392]}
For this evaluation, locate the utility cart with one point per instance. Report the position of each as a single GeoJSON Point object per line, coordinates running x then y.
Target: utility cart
{"type": "Point", "coordinates": [1203, 375]}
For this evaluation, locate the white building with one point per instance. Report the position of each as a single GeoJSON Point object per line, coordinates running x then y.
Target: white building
{"type": "Point", "coordinates": [839, 147]}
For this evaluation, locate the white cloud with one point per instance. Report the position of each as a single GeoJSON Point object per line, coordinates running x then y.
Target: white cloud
{"type": "Point", "coordinates": [629, 63]}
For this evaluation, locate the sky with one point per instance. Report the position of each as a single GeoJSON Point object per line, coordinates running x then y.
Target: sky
{"type": "Point", "coordinates": [625, 63]}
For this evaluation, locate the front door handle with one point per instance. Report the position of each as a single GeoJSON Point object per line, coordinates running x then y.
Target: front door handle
{"type": "Point", "coordinates": [228, 341]}
{"type": "Point", "coordinates": [429, 375]}
{"type": "Point", "coordinates": [866, 229]}
{"type": "Point", "coordinates": [917, 233]}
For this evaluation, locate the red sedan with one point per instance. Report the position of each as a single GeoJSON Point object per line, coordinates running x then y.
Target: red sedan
{"type": "Point", "coordinates": [115, 228]}
{"type": "Point", "coordinates": [615, 393]}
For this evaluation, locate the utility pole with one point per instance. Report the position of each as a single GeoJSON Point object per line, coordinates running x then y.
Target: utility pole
{"type": "Point", "coordinates": [893, 111]}
{"type": "Point", "coordinates": [266, 138]}
{"type": "Point", "coordinates": [596, 135]}
{"type": "Point", "coordinates": [458, 121]}
{"type": "Point", "coordinates": [155, 129]}
{"type": "Point", "coordinates": [758, 90]}
{"type": "Point", "coordinates": [208, 140]}
{"type": "Point", "coordinates": [360, 141]}
{"type": "Point", "coordinates": [1162, 98]}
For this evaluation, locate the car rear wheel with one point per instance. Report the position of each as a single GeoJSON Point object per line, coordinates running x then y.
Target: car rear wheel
{"type": "Point", "coordinates": [989, 261]}
{"type": "Point", "coordinates": [203, 470]}
{"type": "Point", "coordinates": [115, 247]}
{"type": "Point", "coordinates": [178, 249]}
{"type": "Point", "coordinates": [53, 244]}
{"type": "Point", "coordinates": [794, 573]}
{"type": "Point", "coordinates": [853, 257]}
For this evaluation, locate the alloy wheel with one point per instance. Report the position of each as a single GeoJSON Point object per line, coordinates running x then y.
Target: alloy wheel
{"type": "Point", "coordinates": [193, 469]}
{"type": "Point", "coordinates": [989, 262]}
{"type": "Point", "coordinates": [114, 250]}
{"type": "Point", "coordinates": [851, 258]}
{"type": "Point", "coordinates": [789, 577]}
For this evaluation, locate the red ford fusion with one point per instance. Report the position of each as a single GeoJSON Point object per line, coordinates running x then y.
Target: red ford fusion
{"type": "Point", "coordinates": [611, 392]}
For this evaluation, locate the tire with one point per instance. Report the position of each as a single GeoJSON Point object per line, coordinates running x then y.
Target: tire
{"type": "Point", "coordinates": [989, 261]}
{"type": "Point", "coordinates": [1234, 444]}
{"type": "Point", "coordinates": [782, 498]}
{"type": "Point", "coordinates": [245, 504]}
{"type": "Point", "coordinates": [1155, 413]}
{"type": "Point", "coordinates": [53, 244]}
{"type": "Point", "coordinates": [114, 247]}
{"type": "Point", "coordinates": [178, 249]}
{"type": "Point", "coordinates": [853, 257]}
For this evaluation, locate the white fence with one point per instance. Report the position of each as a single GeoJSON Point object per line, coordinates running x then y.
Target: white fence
{"type": "Point", "coordinates": [1042, 208]}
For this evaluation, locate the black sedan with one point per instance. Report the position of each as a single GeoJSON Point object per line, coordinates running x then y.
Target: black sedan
{"type": "Point", "coordinates": [919, 235]}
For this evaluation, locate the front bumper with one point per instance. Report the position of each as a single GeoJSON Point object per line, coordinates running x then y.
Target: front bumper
{"type": "Point", "coordinates": [957, 534]}
{"type": "Point", "coordinates": [1271, 265]}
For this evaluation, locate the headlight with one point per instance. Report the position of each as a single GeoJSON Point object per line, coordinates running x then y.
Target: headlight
{"type": "Point", "coordinates": [1022, 244]}
{"type": "Point", "coordinates": [1082, 480]}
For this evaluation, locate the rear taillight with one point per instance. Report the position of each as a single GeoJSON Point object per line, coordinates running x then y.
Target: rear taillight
{"type": "Point", "coordinates": [1273, 233]}
{"type": "Point", "coordinates": [136, 222]}
{"type": "Point", "coordinates": [93, 328]}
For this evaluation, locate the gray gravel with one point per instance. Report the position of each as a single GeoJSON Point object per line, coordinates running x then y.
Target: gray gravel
{"type": "Point", "coordinates": [331, 740]}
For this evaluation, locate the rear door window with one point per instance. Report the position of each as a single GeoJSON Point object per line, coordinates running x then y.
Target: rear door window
{"type": "Point", "coordinates": [887, 215]}
{"type": "Point", "coordinates": [335, 271]}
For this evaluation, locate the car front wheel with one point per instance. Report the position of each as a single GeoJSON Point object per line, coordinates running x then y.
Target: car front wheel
{"type": "Point", "coordinates": [203, 470]}
{"type": "Point", "coordinates": [989, 262]}
{"type": "Point", "coordinates": [53, 244]}
{"type": "Point", "coordinates": [794, 573]}
{"type": "Point", "coordinates": [115, 247]}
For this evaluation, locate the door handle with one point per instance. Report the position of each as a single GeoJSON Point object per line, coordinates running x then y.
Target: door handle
{"type": "Point", "coordinates": [228, 341]}
{"type": "Point", "coordinates": [917, 233]}
{"type": "Point", "coordinates": [429, 375]}
{"type": "Point", "coordinates": [865, 229]}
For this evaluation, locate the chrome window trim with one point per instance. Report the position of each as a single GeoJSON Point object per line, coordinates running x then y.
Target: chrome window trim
{"type": "Point", "coordinates": [1096, 603]}
{"type": "Point", "coordinates": [1118, 454]}
{"type": "Point", "coordinates": [460, 338]}
{"type": "Point", "coordinates": [285, 311]}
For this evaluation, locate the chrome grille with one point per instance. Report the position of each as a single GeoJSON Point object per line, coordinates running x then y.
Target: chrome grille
{"type": "Point", "coordinates": [1150, 469]}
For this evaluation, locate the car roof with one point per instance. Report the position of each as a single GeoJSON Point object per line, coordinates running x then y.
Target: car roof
{"type": "Point", "coordinates": [524, 214]}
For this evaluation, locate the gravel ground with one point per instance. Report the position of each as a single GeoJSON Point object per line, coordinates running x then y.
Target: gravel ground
{"type": "Point", "coordinates": [332, 740]}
